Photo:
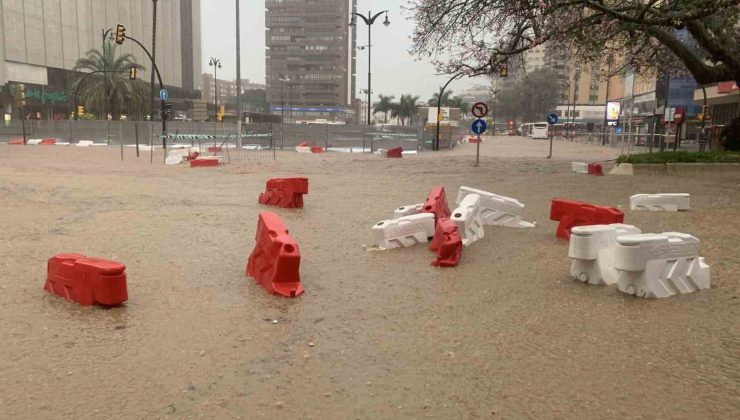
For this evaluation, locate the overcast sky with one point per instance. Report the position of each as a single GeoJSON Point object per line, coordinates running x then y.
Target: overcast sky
{"type": "Point", "coordinates": [394, 70]}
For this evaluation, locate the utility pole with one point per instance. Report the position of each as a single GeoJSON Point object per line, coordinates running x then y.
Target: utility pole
{"type": "Point", "coordinates": [238, 82]}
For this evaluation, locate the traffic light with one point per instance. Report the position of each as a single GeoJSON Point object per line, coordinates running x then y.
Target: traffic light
{"type": "Point", "coordinates": [80, 110]}
{"type": "Point", "coordinates": [132, 73]}
{"type": "Point", "coordinates": [120, 34]}
{"type": "Point", "coordinates": [20, 95]}
{"type": "Point", "coordinates": [503, 71]}
{"type": "Point", "coordinates": [166, 111]}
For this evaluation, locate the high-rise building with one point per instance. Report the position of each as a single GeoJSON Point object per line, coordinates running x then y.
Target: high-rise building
{"type": "Point", "coordinates": [40, 42]}
{"type": "Point", "coordinates": [310, 59]}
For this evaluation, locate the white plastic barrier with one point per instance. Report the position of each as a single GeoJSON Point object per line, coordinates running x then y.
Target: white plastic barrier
{"type": "Point", "coordinates": [303, 149]}
{"type": "Point", "coordinates": [659, 265]}
{"type": "Point", "coordinates": [84, 143]}
{"type": "Point", "coordinates": [408, 210]}
{"type": "Point", "coordinates": [579, 167]}
{"type": "Point", "coordinates": [34, 142]}
{"type": "Point", "coordinates": [467, 218]}
{"type": "Point", "coordinates": [174, 159]}
{"type": "Point", "coordinates": [381, 153]}
{"type": "Point", "coordinates": [404, 231]}
{"type": "Point", "coordinates": [497, 210]}
{"type": "Point", "coordinates": [592, 250]}
{"type": "Point", "coordinates": [658, 202]}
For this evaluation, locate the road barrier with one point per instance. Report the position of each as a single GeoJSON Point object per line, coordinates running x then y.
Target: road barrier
{"type": "Point", "coordinates": [404, 231]}
{"type": "Point", "coordinates": [436, 203]}
{"type": "Point", "coordinates": [87, 280]}
{"type": "Point", "coordinates": [660, 202]}
{"type": "Point", "coordinates": [497, 210]}
{"type": "Point", "coordinates": [592, 250]}
{"type": "Point", "coordinates": [48, 142]}
{"type": "Point", "coordinates": [285, 192]}
{"type": "Point", "coordinates": [595, 169]}
{"type": "Point", "coordinates": [467, 217]}
{"type": "Point", "coordinates": [447, 243]}
{"type": "Point", "coordinates": [15, 142]}
{"type": "Point", "coordinates": [579, 167]}
{"type": "Point", "coordinates": [576, 213]}
{"type": "Point", "coordinates": [275, 261]}
{"type": "Point", "coordinates": [203, 162]}
{"type": "Point", "coordinates": [408, 210]}
{"type": "Point", "coordinates": [396, 152]}
{"type": "Point", "coordinates": [660, 265]}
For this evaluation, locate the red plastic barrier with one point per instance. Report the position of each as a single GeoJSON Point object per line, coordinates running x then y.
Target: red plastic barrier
{"type": "Point", "coordinates": [193, 156]}
{"type": "Point", "coordinates": [303, 144]}
{"type": "Point", "coordinates": [285, 192]}
{"type": "Point", "coordinates": [595, 169]}
{"type": "Point", "coordinates": [396, 152]}
{"type": "Point", "coordinates": [214, 149]}
{"type": "Point", "coordinates": [317, 149]}
{"type": "Point", "coordinates": [437, 203]}
{"type": "Point", "coordinates": [196, 163]}
{"type": "Point", "coordinates": [87, 280]}
{"type": "Point", "coordinates": [48, 142]}
{"type": "Point", "coordinates": [473, 140]}
{"type": "Point", "coordinates": [275, 261]}
{"type": "Point", "coordinates": [16, 141]}
{"type": "Point", "coordinates": [446, 243]}
{"type": "Point", "coordinates": [576, 213]}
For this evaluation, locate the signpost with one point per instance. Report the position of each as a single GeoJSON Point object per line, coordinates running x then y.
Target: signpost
{"type": "Point", "coordinates": [479, 126]}
{"type": "Point", "coordinates": [552, 119]}
{"type": "Point", "coordinates": [164, 95]}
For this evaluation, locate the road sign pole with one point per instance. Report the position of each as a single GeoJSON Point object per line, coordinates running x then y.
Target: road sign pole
{"type": "Point", "coordinates": [477, 152]}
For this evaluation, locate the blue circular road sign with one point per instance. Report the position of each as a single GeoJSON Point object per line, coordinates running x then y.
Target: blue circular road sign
{"type": "Point", "coordinates": [552, 119]}
{"type": "Point", "coordinates": [479, 127]}
{"type": "Point", "coordinates": [164, 95]}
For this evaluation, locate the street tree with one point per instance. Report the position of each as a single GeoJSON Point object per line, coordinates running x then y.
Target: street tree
{"type": "Point", "coordinates": [405, 108]}
{"type": "Point", "coordinates": [384, 105]}
{"type": "Point", "coordinates": [111, 91]}
{"type": "Point", "coordinates": [480, 36]}
{"type": "Point", "coordinates": [448, 101]}
{"type": "Point", "coordinates": [530, 99]}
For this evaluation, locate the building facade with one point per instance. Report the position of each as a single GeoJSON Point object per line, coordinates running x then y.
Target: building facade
{"type": "Point", "coordinates": [226, 88]}
{"type": "Point", "coordinates": [310, 59]}
{"type": "Point", "coordinates": [41, 40]}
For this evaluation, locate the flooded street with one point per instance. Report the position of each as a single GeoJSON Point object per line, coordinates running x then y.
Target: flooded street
{"type": "Point", "coordinates": [377, 335]}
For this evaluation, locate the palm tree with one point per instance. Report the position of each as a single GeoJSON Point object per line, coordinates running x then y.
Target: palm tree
{"type": "Point", "coordinates": [384, 105]}
{"type": "Point", "coordinates": [445, 98]}
{"type": "Point", "coordinates": [112, 91]}
{"type": "Point", "coordinates": [405, 108]}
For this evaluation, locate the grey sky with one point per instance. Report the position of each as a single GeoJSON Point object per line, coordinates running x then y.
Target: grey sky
{"type": "Point", "coordinates": [394, 70]}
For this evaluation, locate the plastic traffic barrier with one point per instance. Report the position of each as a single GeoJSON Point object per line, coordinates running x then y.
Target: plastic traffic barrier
{"type": "Point", "coordinates": [15, 142]}
{"type": "Point", "coordinates": [595, 169]}
{"type": "Point", "coordinates": [497, 210]}
{"type": "Point", "coordinates": [660, 265]}
{"type": "Point", "coordinates": [403, 232]}
{"type": "Point", "coordinates": [87, 280]}
{"type": "Point", "coordinates": [408, 210]}
{"type": "Point", "coordinates": [285, 192]}
{"type": "Point", "coordinates": [303, 148]}
{"type": "Point", "coordinates": [467, 217]}
{"type": "Point", "coordinates": [204, 162]}
{"type": "Point", "coordinates": [317, 149]}
{"type": "Point", "coordinates": [215, 149]}
{"type": "Point", "coordinates": [592, 251]}
{"type": "Point", "coordinates": [381, 152]}
{"type": "Point", "coordinates": [303, 144]}
{"type": "Point", "coordinates": [396, 152]}
{"type": "Point", "coordinates": [275, 261]}
{"type": "Point", "coordinates": [34, 142]}
{"type": "Point", "coordinates": [48, 142]}
{"type": "Point", "coordinates": [446, 243]}
{"type": "Point", "coordinates": [437, 203]}
{"type": "Point", "coordinates": [84, 143]}
{"type": "Point", "coordinates": [660, 202]}
{"type": "Point", "coordinates": [579, 167]}
{"type": "Point", "coordinates": [576, 213]}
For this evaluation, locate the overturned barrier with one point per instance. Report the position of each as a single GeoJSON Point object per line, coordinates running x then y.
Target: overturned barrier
{"type": "Point", "coordinates": [595, 169]}
{"type": "Point", "coordinates": [592, 250]}
{"type": "Point", "coordinates": [570, 213]}
{"type": "Point", "coordinates": [275, 261]}
{"type": "Point", "coordinates": [408, 210]}
{"type": "Point", "coordinates": [436, 203]}
{"type": "Point", "coordinates": [87, 280]}
{"type": "Point", "coordinates": [579, 167]}
{"type": "Point", "coordinates": [660, 202]}
{"type": "Point", "coordinates": [497, 210]}
{"type": "Point", "coordinates": [404, 231]}
{"type": "Point", "coordinates": [396, 152]}
{"type": "Point", "coordinates": [467, 217]}
{"type": "Point", "coordinates": [660, 265]}
{"type": "Point", "coordinates": [447, 243]}
{"type": "Point", "coordinates": [16, 142]}
{"type": "Point", "coordinates": [84, 143]}
{"type": "Point", "coordinates": [48, 142]}
{"type": "Point", "coordinates": [204, 162]}
{"type": "Point", "coordinates": [284, 192]}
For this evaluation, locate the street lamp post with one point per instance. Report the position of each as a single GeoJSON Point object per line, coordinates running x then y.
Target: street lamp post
{"type": "Point", "coordinates": [369, 20]}
{"type": "Point", "coordinates": [282, 79]}
{"type": "Point", "coordinates": [216, 64]}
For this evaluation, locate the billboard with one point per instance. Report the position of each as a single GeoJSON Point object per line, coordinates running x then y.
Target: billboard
{"type": "Point", "coordinates": [613, 110]}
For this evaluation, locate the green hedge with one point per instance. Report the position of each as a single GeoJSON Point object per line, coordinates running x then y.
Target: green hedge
{"type": "Point", "coordinates": [681, 157]}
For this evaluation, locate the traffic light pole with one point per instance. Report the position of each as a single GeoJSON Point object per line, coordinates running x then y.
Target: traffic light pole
{"type": "Point", "coordinates": [161, 88]}
{"type": "Point", "coordinates": [435, 145]}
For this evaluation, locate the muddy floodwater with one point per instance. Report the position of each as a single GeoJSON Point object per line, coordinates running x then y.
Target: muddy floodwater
{"type": "Point", "coordinates": [377, 335]}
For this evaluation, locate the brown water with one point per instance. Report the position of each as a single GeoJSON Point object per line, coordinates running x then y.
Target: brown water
{"type": "Point", "coordinates": [507, 334]}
